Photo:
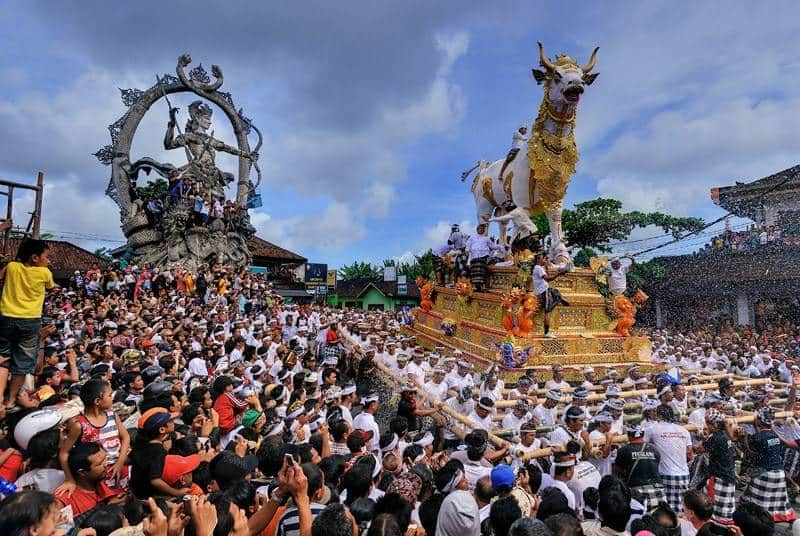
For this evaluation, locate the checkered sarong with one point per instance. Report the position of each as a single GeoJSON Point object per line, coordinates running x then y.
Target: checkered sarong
{"type": "Point", "coordinates": [791, 463]}
{"type": "Point", "coordinates": [674, 488]}
{"type": "Point", "coordinates": [724, 496]}
{"type": "Point", "coordinates": [652, 493]}
{"type": "Point", "coordinates": [768, 490]}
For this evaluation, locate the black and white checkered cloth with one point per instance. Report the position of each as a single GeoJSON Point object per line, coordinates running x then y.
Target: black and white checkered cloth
{"type": "Point", "coordinates": [652, 493]}
{"type": "Point", "coordinates": [674, 488]}
{"type": "Point", "coordinates": [724, 496]}
{"type": "Point", "coordinates": [768, 490]}
{"type": "Point", "coordinates": [791, 463]}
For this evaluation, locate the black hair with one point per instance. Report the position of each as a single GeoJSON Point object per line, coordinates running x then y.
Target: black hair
{"type": "Point", "coordinates": [241, 493]}
{"type": "Point", "coordinates": [333, 468]}
{"type": "Point", "coordinates": [270, 457]}
{"type": "Point", "coordinates": [332, 521]}
{"type": "Point", "coordinates": [363, 510]}
{"type": "Point", "coordinates": [355, 442]}
{"type": "Point", "coordinates": [553, 502]}
{"type": "Point", "coordinates": [24, 510]}
{"type": "Point", "coordinates": [503, 513]}
{"type": "Point", "coordinates": [202, 475]}
{"type": "Point", "coordinates": [385, 525]}
{"type": "Point", "coordinates": [197, 394]}
{"type": "Point", "coordinates": [614, 506]}
{"type": "Point", "coordinates": [648, 523]}
{"type": "Point", "coordinates": [397, 506]}
{"type": "Point", "coordinates": [43, 447]}
{"type": "Point", "coordinates": [699, 503]}
{"type": "Point", "coordinates": [78, 459]}
{"type": "Point", "coordinates": [399, 425]}
{"type": "Point", "coordinates": [753, 520]}
{"type": "Point", "coordinates": [314, 476]}
{"type": "Point", "coordinates": [92, 390]}
{"type": "Point", "coordinates": [104, 519]}
{"type": "Point", "coordinates": [534, 476]}
{"type": "Point", "coordinates": [443, 476]}
{"type": "Point", "coordinates": [357, 481]}
{"type": "Point", "coordinates": [429, 512]}
{"type": "Point", "coordinates": [563, 524]}
{"type": "Point", "coordinates": [184, 446]}
{"type": "Point", "coordinates": [338, 430]}
{"type": "Point", "coordinates": [411, 452]}
{"type": "Point", "coordinates": [29, 248]}
{"type": "Point", "coordinates": [525, 526]}
{"type": "Point", "coordinates": [591, 497]}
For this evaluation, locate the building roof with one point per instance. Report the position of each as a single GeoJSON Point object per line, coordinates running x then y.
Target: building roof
{"type": "Point", "coordinates": [261, 249]}
{"type": "Point", "coordinates": [746, 199]}
{"type": "Point", "coordinates": [360, 285]}
{"type": "Point", "coordinates": [65, 257]}
{"type": "Point", "coordinates": [769, 270]}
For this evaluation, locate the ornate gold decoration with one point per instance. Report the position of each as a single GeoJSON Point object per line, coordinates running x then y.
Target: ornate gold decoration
{"type": "Point", "coordinates": [507, 184]}
{"type": "Point", "coordinates": [488, 193]}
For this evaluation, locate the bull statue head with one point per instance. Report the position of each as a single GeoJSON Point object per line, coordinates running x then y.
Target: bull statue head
{"type": "Point", "coordinates": [564, 79]}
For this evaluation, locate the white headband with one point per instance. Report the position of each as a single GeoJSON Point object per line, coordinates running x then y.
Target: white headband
{"type": "Point", "coordinates": [453, 481]}
{"type": "Point", "coordinates": [296, 413]}
{"type": "Point", "coordinates": [568, 463]}
{"type": "Point", "coordinates": [369, 399]}
{"type": "Point", "coordinates": [483, 406]}
{"type": "Point", "coordinates": [391, 445]}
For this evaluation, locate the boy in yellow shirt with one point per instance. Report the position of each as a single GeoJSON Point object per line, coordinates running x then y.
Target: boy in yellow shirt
{"type": "Point", "coordinates": [26, 281]}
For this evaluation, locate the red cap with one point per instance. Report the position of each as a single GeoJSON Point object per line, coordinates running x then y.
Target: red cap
{"type": "Point", "coordinates": [177, 466]}
{"type": "Point", "coordinates": [148, 343]}
{"type": "Point", "coordinates": [331, 337]}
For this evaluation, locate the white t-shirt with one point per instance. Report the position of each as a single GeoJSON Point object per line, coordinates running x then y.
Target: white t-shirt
{"type": "Point", "coordinates": [365, 421]}
{"type": "Point", "coordinates": [546, 416]}
{"type": "Point", "coordinates": [557, 386]}
{"type": "Point", "coordinates": [437, 391]}
{"type": "Point", "coordinates": [617, 280]}
{"type": "Point", "coordinates": [671, 441]}
{"type": "Point", "coordinates": [586, 476]}
{"type": "Point", "coordinates": [482, 424]}
{"type": "Point", "coordinates": [539, 284]}
{"type": "Point", "coordinates": [566, 491]}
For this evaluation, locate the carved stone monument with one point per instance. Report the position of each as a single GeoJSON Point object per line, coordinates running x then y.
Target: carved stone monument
{"type": "Point", "coordinates": [191, 223]}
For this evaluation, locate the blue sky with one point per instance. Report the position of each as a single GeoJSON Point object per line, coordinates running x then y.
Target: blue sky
{"type": "Point", "coordinates": [371, 110]}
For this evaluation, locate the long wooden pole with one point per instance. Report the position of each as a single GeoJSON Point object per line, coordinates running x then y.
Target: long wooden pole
{"type": "Point", "coordinates": [620, 439]}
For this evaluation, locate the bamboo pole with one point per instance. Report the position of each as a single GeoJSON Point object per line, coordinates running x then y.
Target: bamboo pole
{"type": "Point", "coordinates": [621, 439]}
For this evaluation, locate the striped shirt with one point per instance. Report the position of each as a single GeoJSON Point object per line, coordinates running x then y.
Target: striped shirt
{"type": "Point", "coordinates": [289, 524]}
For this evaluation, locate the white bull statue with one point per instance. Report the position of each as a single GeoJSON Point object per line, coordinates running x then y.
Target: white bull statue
{"type": "Point", "coordinates": [535, 181]}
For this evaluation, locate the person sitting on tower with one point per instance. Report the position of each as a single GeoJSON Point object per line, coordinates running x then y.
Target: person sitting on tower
{"type": "Point", "coordinates": [458, 243]}
{"type": "Point", "coordinates": [479, 248]}
{"type": "Point", "coordinates": [518, 141]}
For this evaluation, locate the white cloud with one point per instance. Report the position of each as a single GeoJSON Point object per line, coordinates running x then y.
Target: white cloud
{"type": "Point", "coordinates": [437, 234]}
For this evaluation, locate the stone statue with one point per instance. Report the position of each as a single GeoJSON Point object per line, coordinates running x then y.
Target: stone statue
{"type": "Point", "coordinates": [193, 223]}
{"type": "Point", "coordinates": [536, 180]}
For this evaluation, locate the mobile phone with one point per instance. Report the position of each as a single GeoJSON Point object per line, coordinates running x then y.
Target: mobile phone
{"type": "Point", "coordinates": [289, 459]}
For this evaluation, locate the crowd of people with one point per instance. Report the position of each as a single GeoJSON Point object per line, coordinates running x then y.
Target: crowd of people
{"type": "Point", "coordinates": [753, 238]}
{"type": "Point", "coordinates": [172, 403]}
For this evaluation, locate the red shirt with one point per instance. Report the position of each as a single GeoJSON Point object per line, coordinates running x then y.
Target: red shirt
{"type": "Point", "coordinates": [227, 406]}
{"type": "Point", "coordinates": [10, 469]}
{"type": "Point", "coordinates": [81, 500]}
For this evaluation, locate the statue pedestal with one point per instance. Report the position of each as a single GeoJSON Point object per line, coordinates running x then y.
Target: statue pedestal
{"type": "Point", "coordinates": [582, 328]}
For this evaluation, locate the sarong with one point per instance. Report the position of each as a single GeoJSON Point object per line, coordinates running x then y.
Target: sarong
{"type": "Point", "coordinates": [768, 490]}
{"type": "Point", "coordinates": [478, 272]}
{"type": "Point", "coordinates": [674, 488]}
{"type": "Point", "coordinates": [724, 496]}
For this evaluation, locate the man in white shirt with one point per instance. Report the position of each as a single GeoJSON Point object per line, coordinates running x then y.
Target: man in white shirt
{"type": "Point", "coordinates": [572, 431]}
{"type": "Point", "coordinates": [616, 271]}
{"type": "Point", "coordinates": [481, 416]}
{"type": "Point", "coordinates": [589, 377]}
{"type": "Point", "coordinates": [548, 298]}
{"type": "Point", "coordinates": [517, 417]}
{"type": "Point", "coordinates": [579, 399]}
{"type": "Point", "coordinates": [479, 249]}
{"type": "Point", "coordinates": [414, 369]}
{"type": "Point", "coordinates": [519, 141]}
{"type": "Point", "coordinates": [674, 445]}
{"type": "Point", "coordinates": [545, 414]}
{"type": "Point", "coordinates": [366, 420]}
{"type": "Point", "coordinates": [557, 382]}
{"type": "Point", "coordinates": [461, 403]}
{"type": "Point", "coordinates": [461, 377]}
{"type": "Point", "coordinates": [601, 457]}
{"type": "Point", "coordinates": [437, 388]}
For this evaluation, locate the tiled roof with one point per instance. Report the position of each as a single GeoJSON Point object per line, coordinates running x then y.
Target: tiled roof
{"type": "Point", "coordinates": [358, 286]}
{"type": "Point", "coordinates": [65, 257]}
{"type": "Point", "coordinates": [267, 250]}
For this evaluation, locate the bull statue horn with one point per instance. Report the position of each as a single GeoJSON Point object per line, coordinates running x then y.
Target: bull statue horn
{"type": "Point", "coordinates": [589, 66]}
{"type": "Point", "coordinates": [543, 61]}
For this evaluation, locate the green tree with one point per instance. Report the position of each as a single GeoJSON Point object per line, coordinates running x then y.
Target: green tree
{"type": "Point", "coordinates": [595, 223]}
{"type": "Point", "coordinates": [156, 188]}
{"type": "Point", "coordinates": [358, 269]}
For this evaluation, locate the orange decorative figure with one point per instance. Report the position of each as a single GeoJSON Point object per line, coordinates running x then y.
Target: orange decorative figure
{"type": "Point", "coordinates": [518, 309]}
{"type": "Point", "coordinates": [464, 288]}
{"type": "Point", "coordinates": [624, 307]}
{"type": "Point", "coordinates": [426, 292]}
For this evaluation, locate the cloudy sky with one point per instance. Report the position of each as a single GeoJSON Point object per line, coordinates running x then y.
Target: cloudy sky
{"type": "Point", "coordinates": [372, 109]}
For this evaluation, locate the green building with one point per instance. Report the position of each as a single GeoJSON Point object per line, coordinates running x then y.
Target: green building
{"type": "Point", "coordinates": [373, 293]}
